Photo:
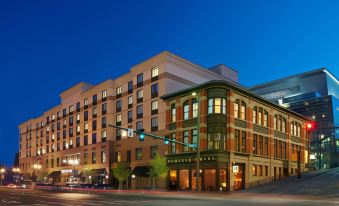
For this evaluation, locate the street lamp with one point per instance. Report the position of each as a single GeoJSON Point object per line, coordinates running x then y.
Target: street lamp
{"type": "Point", "coordinates": [196, 94]}
{"type": "Point", "coordinates": [73, 163]}
{"type": "Point", "coordinates": [2, 171]}
{"type": "Point", "coordinates": [16, 171]}
{"type": "Point", "coordinates": [36, 167]}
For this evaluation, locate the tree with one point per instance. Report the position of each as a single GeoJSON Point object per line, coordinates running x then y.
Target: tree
{"type": "Point", "coordinates": [159, 168]}
{"type": "Point", "coordinates": [41, 177]}
{"type": "Point", "coordinates": [121, 172]}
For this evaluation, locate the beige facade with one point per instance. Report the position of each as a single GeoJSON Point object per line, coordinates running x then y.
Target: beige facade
{"type": "Point", "coordinates": [73, 141]}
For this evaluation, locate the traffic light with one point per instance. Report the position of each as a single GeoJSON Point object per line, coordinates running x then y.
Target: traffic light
{"type": "Point", "coordinates": [140, 132]}
{"type": "Point", "coordinates": [310, 125]}
{"type": "Point", "coordinates": [166, 139]}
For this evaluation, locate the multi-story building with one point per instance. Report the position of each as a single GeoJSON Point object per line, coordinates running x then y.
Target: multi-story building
{"type": "Point", "coordinates": [314, 94]}
{"type": "Point", "coordinates": [244, 139]}
{"type": "Point", "coordinates": [74, 142]}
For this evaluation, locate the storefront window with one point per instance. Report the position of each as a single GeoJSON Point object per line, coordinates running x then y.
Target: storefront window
{"type": "Point", "coordinates": [210, 179]}
{"type": "Point", "coordinates": [216, 141]}
{"type": "Point", "coordinates": [184, 181]}
{"type": "Point", "coordinates": [223, 179]}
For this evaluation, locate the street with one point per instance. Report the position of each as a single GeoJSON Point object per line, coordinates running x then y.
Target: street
{"type": "Point", "coordinates": [28, 197]}
{"type": "Point", "coordinates": [319, 188]}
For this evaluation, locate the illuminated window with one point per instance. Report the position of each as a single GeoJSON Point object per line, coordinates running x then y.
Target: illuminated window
{"type": "Point", "coordinates": [155, 72]}
{"type": "Point", "coordinates": [186, 110]}
{"type": "Point", "coordinates": [195, 108]}
{"type": "Point", "coordinates": [173, 113]}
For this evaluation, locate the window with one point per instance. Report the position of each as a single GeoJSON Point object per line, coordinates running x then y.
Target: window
{"type": "Point", "coordinates": [118, 134]}
{"type": "Point", "coordinates": [104, 108]}
{"type": "Point", "coordinates": [275, 122]}
{"type": "Point", "coordinates": [103, 136]}
{"type": "Point", "coordinates": [78, 118]}
{"type": "Point", "coordinates": [154, 107]}
{"type": "Point", "coordinates": [86, 127]}
{"type": "Point", "coordinates": [138, 153]}
{"type": "Point", "coordinates": [260, 116]}
{"type": "Point", "coordinates": [217, 105]}
{"type": "Point", "coordinates": [237, 140]}
{"type": "Point", "coordinates": [266, 146]}
{"type": "Point", "coordinates": [139, 125]}
{"type": "Point", "coordinates": [103, 122]}
{"type": "Point", "coordinates": [243, 111]}
{"type": "Point", "coordinates": [85, 158]}
{"type": "Point", "coordinates": [260, 145]}
{"type": "Point", "coordinates": [118, 106]}
{"type": "Point", "coordinates": [265, 118]}
{"type": "Point", "coordinates": [130, 87]}
{"type": "Point", "coordinates": [130, 100]}
{"type": "Point", "coordinates": [140, 95]}
{"type": "Point", "coordinates": [283, 125]}
{"type": "Point", "coordinates": [186, 110]}
{"type": "Point", "coordinates": [128, 156]}
{"type": "Point", "coordinates": [195, 108]}
{"type": "Point", "coordinates": [154, 124]}
{"type": "Point", "coordinates": [153, 151]}
{"type": "Point", "coordinates": [194, 137]}
{"type": "Point", "coordinates": [94, 99]}
{"type": "Point", "coordinates": [173, 113]}
{"type": "Point", "coordinates": [117, 156]}
{"type": "Point", "coordinates": [71, 132]}
{"type": "Point", "coordinates": [94, 138]}
{"type": "Point", "coordinates": [173, 144]}
{"type": "Point", "coordinates": [255, 146]}
{"type": "Point", "coordinates": [236, 110]}
{"type": "Point", "coordinates": [85, 140]}
{"type": "Point", "coordinates": [85, 115]}
{"type": "Point", "coordinates": [185, 135]}
{"type": "Point", "coordinates": [118, 119]}
{"type": "Point", "coordinates": [254, 115]}
{"type": "Point", "coordinates": [139, 111]}
{"type": "Point", "coordinates": [140, 80]}
{"type": "Point", "coordinates": [77, 142]}
{"type": "Point", "coordinates": [94, 125]}
{"type": "Point", "coordinates": [254, 168]}
{"type": "Point", "coordinates": [63, 113]}
{"type": "Point", "coordinates": [103, 156]}
{"type": "Point", "coordinates": [243, 141]}
{"type": "Point", "coordinates": [275, 148]}
{"type": "Point", "coordinates": [130, 116]}
{"type": "Point", "coordinates": [154, 90]}
{"type": "Point", "coordinates": [94, 158]}
{"type": "Point", "coordinates": [155, 72]}
{"type": "Point", "coordinates": [86, 102]}
{"type": "Point", "coordinates": [104, 94]}
{"type": "Point", "coordinates": [71, 109]}
{"type": "Point", "coordinates": [118, 91]}
{"type": "Point", "coordinates": [94, 112]}
{"type": "Point", "coordinates": [216, 141]}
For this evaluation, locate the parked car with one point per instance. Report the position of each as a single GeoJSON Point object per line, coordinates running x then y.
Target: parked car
{"type": "Point", "coordinates": [103, 186]}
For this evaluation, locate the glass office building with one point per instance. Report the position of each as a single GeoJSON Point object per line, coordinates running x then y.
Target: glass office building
{"type": "Point", "coordinates": [314, 94]}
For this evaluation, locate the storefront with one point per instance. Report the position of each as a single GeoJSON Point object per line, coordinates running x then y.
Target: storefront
{"type": "Point", "coordinates": [213, 172]}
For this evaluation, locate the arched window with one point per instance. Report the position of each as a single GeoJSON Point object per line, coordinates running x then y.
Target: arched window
{"type": "Point", "coordinates": [265, 118]}
{"type": "Point", "coordinates": [236, 109]}
{"type": "Point", "coordinates": [173, 113]}
{"type": "Point", "coordinates": [254, 115]}
{"type": "Point", "coordinates": [243, 111]}
{"type": "Point", "coordinates": [295, 129]}
{"type": "Point", "coordinates": [275, 122]}
{"type": "Point", "coordinates": [195, 108]}
{"type": "Point", "coordinates": [186, 110]}
{"type": "Point", "coordinates": [283, 125]}
{"type": "Point", "coordinates": [260, 116]}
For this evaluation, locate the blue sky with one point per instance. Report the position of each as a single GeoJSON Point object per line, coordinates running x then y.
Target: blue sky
{"type": "Point", "coordinates": [48, 46]}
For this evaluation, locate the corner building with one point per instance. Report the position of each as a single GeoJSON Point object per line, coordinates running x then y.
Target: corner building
{"type": "Point", "coordinates": [73, 141]}
{"type": "Point", "coordinates": [245, 140]}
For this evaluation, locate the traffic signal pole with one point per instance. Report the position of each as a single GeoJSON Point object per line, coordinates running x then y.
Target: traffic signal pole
{"type": "Point", "coordinates": [166, 138]}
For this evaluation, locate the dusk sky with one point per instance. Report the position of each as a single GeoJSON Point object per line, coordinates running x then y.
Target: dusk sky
{"type": "Point", "coordinates": [47, 47]}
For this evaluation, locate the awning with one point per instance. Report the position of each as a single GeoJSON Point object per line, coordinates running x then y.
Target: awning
{"type": "Point", "coordinates": [141, 171]}
{"type": "Point", "coordinates": [54, 174]}
{"type": "Point", "coordinates": [98, 172]}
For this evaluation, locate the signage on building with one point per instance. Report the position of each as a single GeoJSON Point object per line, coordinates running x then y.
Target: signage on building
{"type": "Point", "coordinates": [67, 171]}
{"type": "Point", "coordinates": [235, 168]}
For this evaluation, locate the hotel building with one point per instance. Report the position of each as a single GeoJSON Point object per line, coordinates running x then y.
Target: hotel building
{"type": "Point", "coordinates": [73, 141]}
{"type": "Point", "coordinates": [245, 140]}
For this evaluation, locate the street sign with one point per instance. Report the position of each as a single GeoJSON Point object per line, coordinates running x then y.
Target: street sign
{"type": "Point", "coordinates": [130, 132]}
{"type": "Point", "coordinates": [235, 168]}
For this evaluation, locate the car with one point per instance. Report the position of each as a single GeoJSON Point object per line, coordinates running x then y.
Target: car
{"type": "Point", "coordinates": [86, 185]}
{"type": "Point", "coordinates": [102, 186]}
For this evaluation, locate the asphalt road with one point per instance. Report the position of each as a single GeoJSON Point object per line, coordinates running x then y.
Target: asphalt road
{"type": "Point", "coordinates": [20, 197]}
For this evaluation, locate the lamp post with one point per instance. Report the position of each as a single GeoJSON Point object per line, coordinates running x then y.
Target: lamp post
{"type": "Point", "coordinates": [196, 94]}
{"type": "Point", "coordinates": [2, 171]}
{"type": "Point", "coordinates": [73, 163]}
{"type": "Point", "coordinates": [16, 172]}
